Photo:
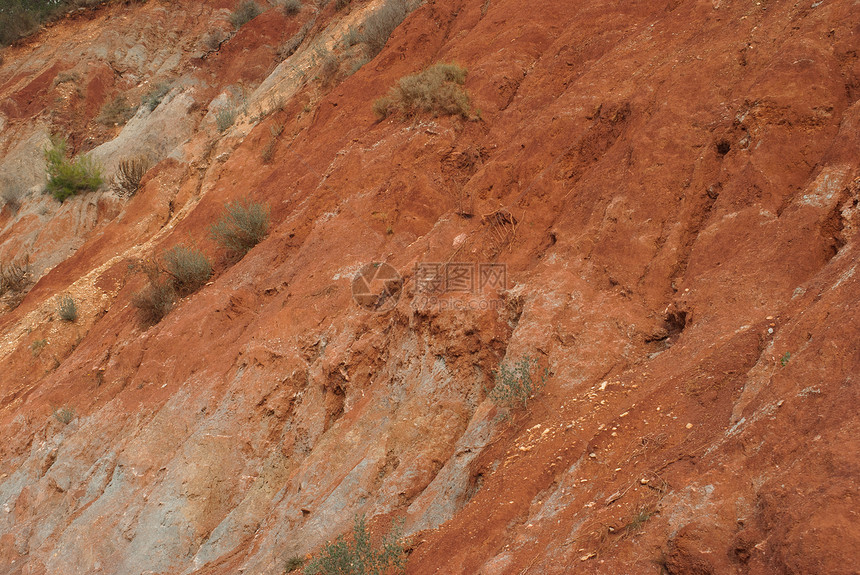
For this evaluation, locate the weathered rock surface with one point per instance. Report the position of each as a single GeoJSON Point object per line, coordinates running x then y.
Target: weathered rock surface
{"type": "Point", "coordinates": [672, 186]}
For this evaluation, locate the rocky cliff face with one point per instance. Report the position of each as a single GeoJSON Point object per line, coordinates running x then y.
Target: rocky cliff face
{"type": "Point", "coordinates": [671, 186]}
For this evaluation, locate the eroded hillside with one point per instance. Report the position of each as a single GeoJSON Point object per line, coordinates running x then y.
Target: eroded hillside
{"type": "Point", "coordinates": [672, 190]}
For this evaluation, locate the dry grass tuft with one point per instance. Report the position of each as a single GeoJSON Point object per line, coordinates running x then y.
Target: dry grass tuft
{"type": "Point", "coordinates": [129, 174]}
{"type": "Point", "coordinates": [437, 90]}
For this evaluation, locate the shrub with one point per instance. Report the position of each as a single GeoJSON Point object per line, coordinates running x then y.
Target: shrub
{"type": "Point", "coordinates": [242, 226]}
{"type": "Point", "coordinates": [19, 18]}
{"type": "Point", "coordinates": [37, 346]}
{"type": "Point", "coordinates": [116, 112]}
{"type": "Point", "coordinates": [359, 556]}
{"type": "Point", "coordinates": [293, 563]}
{"type": "Point", "coordinates": [357, 65]}
{"type": "Point", "coordinates": [70, 76]}
{"type": "Point", "coordinates": [67, 178]}
{"type": "Point", "coordinates": [15, 277]}
{"type": "Point", "coordinates": [155, 300]}
{"type": "Point", "coordinates": [341, 4]}
{"type": "Point", "coordinates": [516, 386]}
{"type": "Point", "coordinates": [180, 272]}
{"type": "Point", "coordinates": [638, 520]}
{"type": "Point", "coordinates": [12, 195]}
{"type": "Point", "coordinates": [225, 118]}
{"type": "Point", "coordinates": [329, 67]}
{"type": "Point", "coordinates": [64, 415]}
{"type": "Point", "coordinates": [67, 309]}
{"type": "Point", "coordinates": [438, 90]}
{"type": "Point", "coordinates": [289, 47]}
{"type": "Point", "coordinates": [246, 11]}
{"type": "Point", "coordinates": [268, 150]}
{"type": "Point", "coordinates": [379, 26]}
{"type": "Point", "coordinates": [155, 95]}
{"type": "Point", "coordinates": [214, 39]}
{"type": "Point", "coordinates": [17, 21]}
{"type": "Point", "coordinates": [188, 268]}
{"type": "Point", "coordinates": [129, 174]}
{"type": "Point", "coordinates": [292, 7]}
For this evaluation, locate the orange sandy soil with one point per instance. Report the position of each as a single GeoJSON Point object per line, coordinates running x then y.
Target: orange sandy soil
{"type": "Point", "coordinates": [673, 187]}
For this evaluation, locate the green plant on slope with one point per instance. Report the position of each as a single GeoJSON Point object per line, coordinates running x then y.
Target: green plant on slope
{"type": "Point", "coordinates": [516, 386]}
{"type": "Point", "coordinates": [69, 177]}
{"type": "Point", "coordinates": [15, 280]}
{"type": "Point", "coordinates": [242, 225]}
{"type": "Point", "coordinates": [291, 7]}
{"type": "Point", "coordinates": [293, 563]}
{"type": "Point", "coordinates": [246, 11]}
{"type": "Point", "coordinates": [129, 174]}
{"type": "Point", "coordinates": [157, 298]}
{"type": "Point", "coordinates": [155, 95]}
{"type": "Point", "coordinates": [225, 118]}
{"type": "Point", "coordinates": [12, 195]}
{"type": "Point", "coordinates": [64, 415]}
{"type": "Point", "coordinates": [188, 268]}
{"type": "Point", "coordinates": [437, 90]}
{"type": "Point", "coordinates": [19, 18]}
{"type": "Point", "coordinates": [67, 309]}
{"type": "Point", "coordinates": [116, 112]}
{"type": "Point", "coordinates": [379, 25]}
{"type": "Point", "coordinates": [179, 272]}
{"type": "Point", "coordinates": [37, 346]}
{"type": "Point", "coordinates": [359, 556]}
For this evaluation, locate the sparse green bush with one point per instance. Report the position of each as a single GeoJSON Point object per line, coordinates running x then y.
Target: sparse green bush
{"type": "Point", "coordinates": [292, 7]}
{"type": "Point", "coordinates": [639, 519]}
{"type": "Point", "coordinates": [357, 65]}
{"type": "Point", "coordinates": [155, 95]}
{"type": "Point", "coordinates": [12, 195]}
{"type": "Point", "coordinates": [67, 309]}
{"type": "Point", "coordinates": [242, 226]}
{"type": "Point", "coordinates": [214, 39]}
{"type": "Point", "coordinates": [129, 174]}
{"type": "Point", "coordinates": [15, 277]}
{"type": "Point", "coordinates": [517, 386]}
{"type": "Point", "coordinates": [268, 150]}
{"type": "Point", "coordinates": [359, 556]}
{"type": "Point", "coordinates": [289, 47]}
{"type": "Point", "coordinates": [19, 18]}
{"type": "Point", "coordinates": [37, 346]}
{"type": "Point", "coordinates": [246, 11]}
{"type": "Point", "coordinates": [64, 415]}
{"type": "Point", "coordinates": [179, 272]}
{"type": "Point", "coordinates": [70, 76]}
{"type": "Point", "coordinates": [188, 268]}
{"type": "Point", "coordinates": [116, 112]}
{"type": "Point", "coordinates": [329, 66]}
{"type": "Point", "coordinates": [293, 563]}
{"type": "Point", "coordinates": [155, 300]}
{"type": "Point", "coordinates": [225, 118]}
{"type": "Point", "coordinates": [341, 4]}
{"type": "Point", "coordinates": [378, 27]}
{"type": "Point", "coordinates": [67, 178]}
{"type": "Point", "coordinates": [438, 89]}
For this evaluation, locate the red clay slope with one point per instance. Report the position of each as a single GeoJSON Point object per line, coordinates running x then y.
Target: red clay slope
{"type": "Point", "coordinates": [673, 187]}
